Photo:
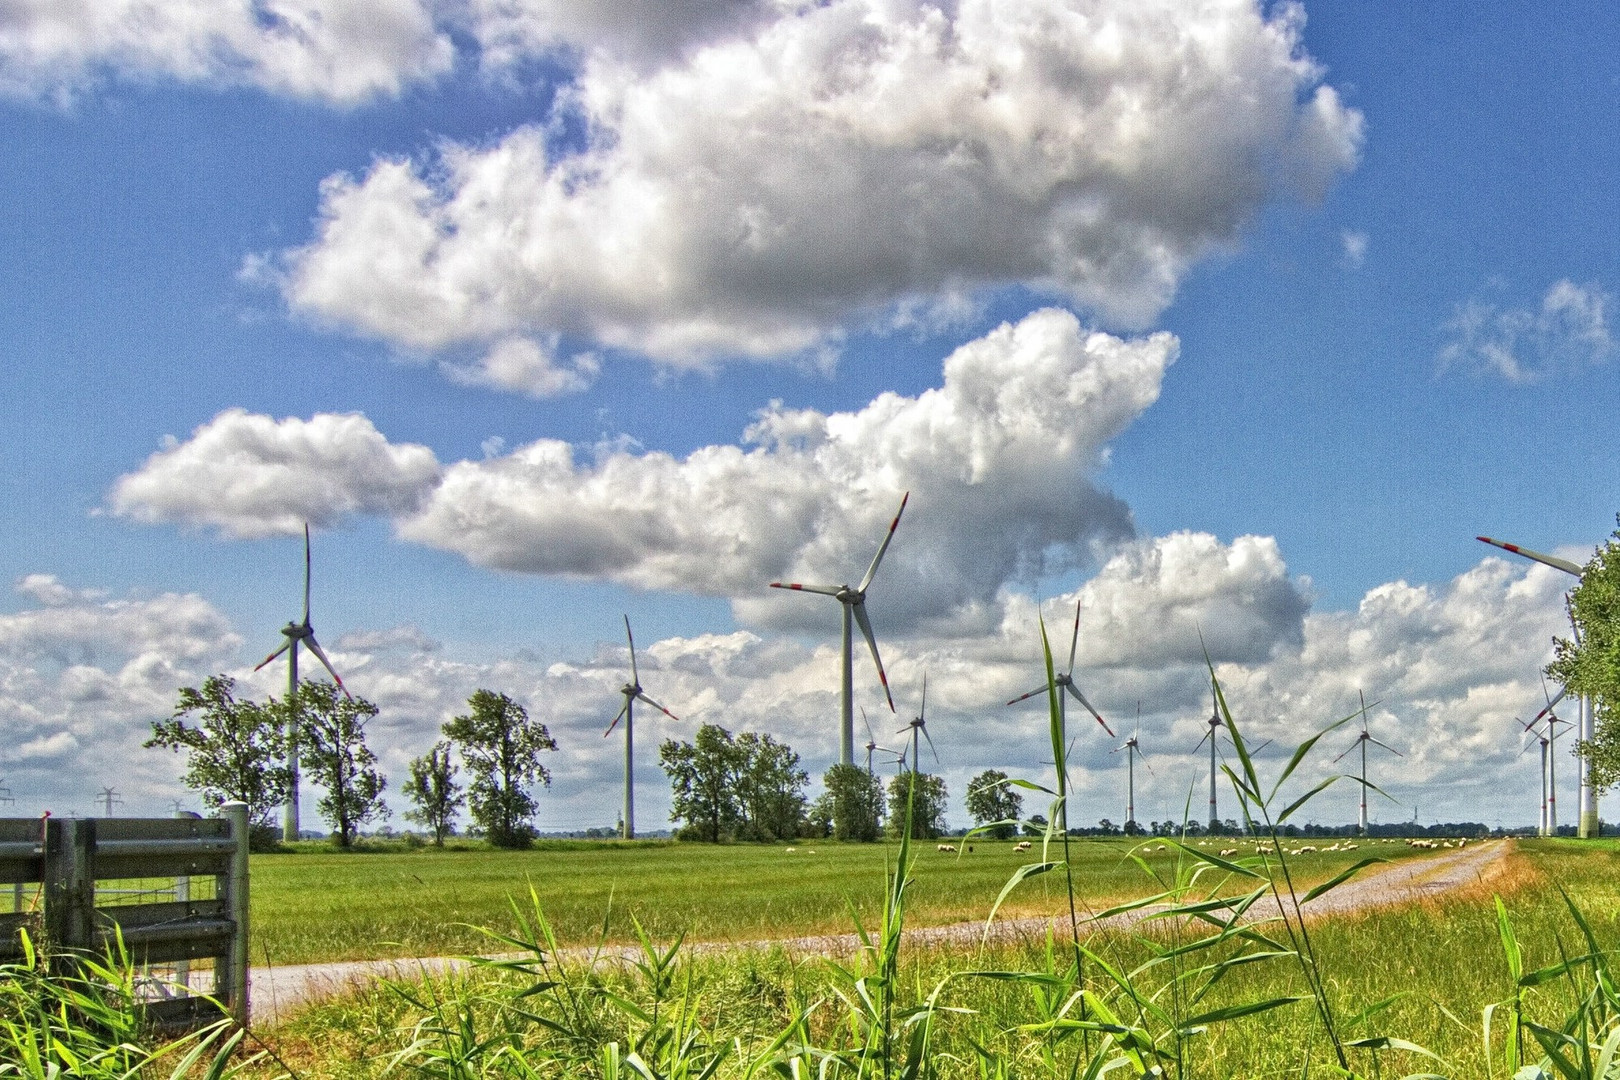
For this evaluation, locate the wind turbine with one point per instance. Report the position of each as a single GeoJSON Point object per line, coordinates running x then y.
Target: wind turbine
{"type": "Point", "coordinates": [1362, 740]}
{"type": "Point", "coordinates": [871, 744]}
{"type": "Point", "coordinates": [295, 633]}
{"type": "Point", "coordinates": [1065, 682]}
{"type": "Point", "coordinates": [1584, 722]}
{"type": "Point", "coordinates": [854, 607]}
{"type": "Point", "coordinates": [919, 728]}
{"type": "Point", "coordinates": [631, 691]}
{"type": "Point", "coordinates": [1133, 750]}
{"type": "Point", "coordinates": [1215, 722]}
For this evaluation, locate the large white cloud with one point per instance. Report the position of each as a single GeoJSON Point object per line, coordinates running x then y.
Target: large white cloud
{"type": "Point", "coordinates": [753, 194]}
{"type": "Point", "coordinates": [1000, 461]}
{"type": "Point", "coordinates": [340, 51]}
{"type": "Point", "coordinates": [249, 475]}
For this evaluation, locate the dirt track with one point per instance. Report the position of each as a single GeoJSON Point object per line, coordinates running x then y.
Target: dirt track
{"type": "Point", "coordinates": [278, 992]}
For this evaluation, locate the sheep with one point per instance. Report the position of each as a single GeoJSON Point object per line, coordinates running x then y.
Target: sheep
{"type": "Point", "coordinates": [1022, 845]}
{"type": "Point", "coordinates": [1225, 851]}
{"type": "Point", "coordinates": [947, 847]}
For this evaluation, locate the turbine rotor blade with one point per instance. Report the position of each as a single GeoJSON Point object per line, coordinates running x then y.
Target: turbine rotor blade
{"type": "Point", "coordinates": [1347, 750]}
{"type": "Point", "coordinates": [284, 647]}
{"type": "Point", "coordinates": [825, 590]}
{"type": "Point", "coordinates": [869, 736]}
{"type": "Point", "coordinates": [924, 729]}
{"type": "Point", "coordinates": [1548, 710]}
{"type": "Point", "coordinates": [306, 575]}
{"type": "Point", "coordinates": [1550, 560]}
{"type": "Point", "coordinates": [655, 705]}
{"type": "Point", "coordinates": [617, 717]}
{"type": "Point", "coordinates": [1076, 692]}
{"type": "Point", "coordinates": [871, 571]}
{"type": "Point", "coordinates": [922, 709]}
{"type": "Point", "coordinates": [315, 647]}
{"type": "Point", "coordinates": [635, 676]}
{"type": "Point", "coordinates": [1026, 697]}
{"type": "Point", "coordinates": [1386, 746]}
{"type": "Point", "coordinates": [859, 611]}
{"type": "Point", "coordinates": [1074, 638]}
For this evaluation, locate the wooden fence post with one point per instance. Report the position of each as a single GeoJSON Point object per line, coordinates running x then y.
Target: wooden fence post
{"type": "Point", "coordinates": [231, 972]}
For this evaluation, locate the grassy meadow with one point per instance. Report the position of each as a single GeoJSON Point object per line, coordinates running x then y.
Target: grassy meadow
{"type": "Point", "coordinates": [315, 904]}
{"type": "Point", "coordinates": [1423, 973]}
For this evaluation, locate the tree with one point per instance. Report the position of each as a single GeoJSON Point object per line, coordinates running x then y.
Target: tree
{"type": "Point", "coordinates": [236, 751]}
{"type": "Point", "coordinates": [336, 757]}
{"type": "Point", "coordinates": [854, 803]}
{"type": "Point", "coordinates": [770, 788]}
{"type": "Point", "coordinates": [927, 811]}
{"type": "Point", "coordinates": [500, 748]}
{"type": "Point", "coordinates": [703, 777]}
{"type": "Point", "coordinates": [991, 799]}
{"type": "Point", "coordinates": [1590, 666]}
{"type": "Point", "coordinates": [433, 789]}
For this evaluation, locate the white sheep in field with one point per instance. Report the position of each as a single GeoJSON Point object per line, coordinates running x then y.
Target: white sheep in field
{"type": "Point", "coordinates": [947, 847]}
{"type": "Point", "coordinates": [1303, 848]}
{"type": "Point", "coordinates": [1225, 851]}
{"type": "Point", "coordinates": [1022, 845]}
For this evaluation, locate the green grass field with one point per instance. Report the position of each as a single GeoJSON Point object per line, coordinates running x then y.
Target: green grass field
{"type": "Point", "coordinates": [1422, 973]}
{"type": "Point", "coordinates": [316, 905]}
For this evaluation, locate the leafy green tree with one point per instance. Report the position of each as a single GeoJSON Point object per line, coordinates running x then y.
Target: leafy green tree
{"type": "Point", "coordinates": [770, 788]}
{"type": "Point", "coordinates": [854, 803]}
{"type": "Point", "coordinates": [1590, 666]}
{"type": "Point", "coordinates": [703, 779]}
{"type": "Point", "coordinates": [500, 748]}
{"type": "Point", "coordinates": [991, 799]}
{"type": "Point", "coordinates": [1035, 825]}
{"type": "Point", "coordinates": [434, 791]}
{"type": "Point", "coordinates": [927, 810]}
{"type": "Point", "coordinates": [235, 752]}
{"type": "Point", "coordinates": [335, 757]}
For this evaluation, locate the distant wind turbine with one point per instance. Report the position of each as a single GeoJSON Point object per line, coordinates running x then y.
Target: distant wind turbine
{"type": "Point", "coordinates": [1215, 722]}
{"type": "Point", "coordinates": [1548, 738]}
{"type": "Point", "coordinates": [919, 729]}
{"type": "Point", "coordinates": [871, 744]}
{"type": "Point", "coordinates": [1588, 820]}
{"type": "Point", "coordinates": [631, 691]}
{"type": "Point", "coordinates": [1065, 683]}
{"type": "Point", "coordinates": [1133, 750]}
{"type": "Point", "coordinates": [1362, 740]}
{"type": "Point", "coordinates": [854, 607]}
{"type": "Point", "coordinates": [296, 633]}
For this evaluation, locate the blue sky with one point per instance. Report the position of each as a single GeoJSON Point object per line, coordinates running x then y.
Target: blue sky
{"type": "Point", "coordinates": [1391, 308]}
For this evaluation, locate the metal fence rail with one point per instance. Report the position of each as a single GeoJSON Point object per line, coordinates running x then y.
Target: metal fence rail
{"type": "Point", "coordinates": [70, 858]}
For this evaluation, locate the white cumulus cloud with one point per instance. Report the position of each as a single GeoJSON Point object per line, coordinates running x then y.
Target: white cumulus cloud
{"type": "Point", "coordinates": [999, 460]}
{"type": "Point", "coordinates": [756, 191]}
{"type": "Point", "coordinates": [339, 51]}
{"type": "Point", "coordinates": [248, 475]}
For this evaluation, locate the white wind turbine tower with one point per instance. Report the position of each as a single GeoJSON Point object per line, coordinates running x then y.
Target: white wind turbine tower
{"type": "Point", "coordinates": [1588, 825]}
{"type": "Point", "coordinates": [1133, 750]}
{"type": "Point", "coordinates": [296, 633]}
{"type": "Point", "coordinates": [854, 607]}
{"type": "Point", "coordinates": [1065, 682]}
{"type": "Point", "coordinates": [1362, 740]}
{"type": "Point", "coordinates": [1215, 722]}
{"type": "Point", "coordinates": [631, 691]}
{"type": "Point", "coordinates": [1549, 770]}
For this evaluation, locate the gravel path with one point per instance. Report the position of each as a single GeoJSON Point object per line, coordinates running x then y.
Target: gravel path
{"type": "Point", "coordinates": [278, 992]}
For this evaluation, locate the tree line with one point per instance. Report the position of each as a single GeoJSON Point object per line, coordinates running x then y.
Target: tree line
{"type": "Point", "coordinates": [747, 787]}
{"type": "Point", "coordinates": [236, 748]}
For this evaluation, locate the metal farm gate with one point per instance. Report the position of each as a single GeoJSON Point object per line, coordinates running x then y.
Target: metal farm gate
{"type": "Point", "coordinates": [174, 889]}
